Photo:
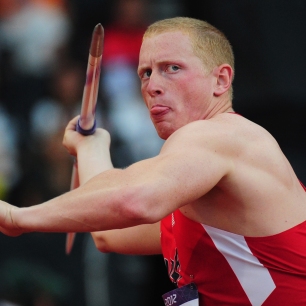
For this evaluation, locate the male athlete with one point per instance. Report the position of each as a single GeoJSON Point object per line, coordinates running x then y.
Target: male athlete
{"type": "Point", "coordinates": [220, 201]}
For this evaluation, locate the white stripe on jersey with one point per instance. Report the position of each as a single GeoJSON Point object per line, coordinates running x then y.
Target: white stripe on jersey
{"type": "Point", "coordinates": [254, 278]}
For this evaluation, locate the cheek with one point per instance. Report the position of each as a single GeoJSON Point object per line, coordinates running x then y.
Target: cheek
{"type": "Point", "coordinates": [191, 90]}
{"type": "Point", "coordinates": [196, 98]}
{"type": "Point", "coordinates": [145, 96]}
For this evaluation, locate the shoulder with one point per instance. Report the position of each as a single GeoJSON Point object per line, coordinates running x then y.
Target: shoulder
{"type": "Point", "coordinates": [226, 135]}
{"type": "Point", "coordinates": [222, 129]}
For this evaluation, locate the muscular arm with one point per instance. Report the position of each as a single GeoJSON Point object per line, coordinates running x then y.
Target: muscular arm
{"type": "Point", "coordinates": [188, 167]}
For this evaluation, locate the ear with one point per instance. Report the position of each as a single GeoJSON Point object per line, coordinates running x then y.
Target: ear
{"type": "Point", "coordinates": [224, 77]}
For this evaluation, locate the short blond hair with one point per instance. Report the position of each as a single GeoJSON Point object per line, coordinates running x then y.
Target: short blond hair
{"type": "Point", "coordinates": [209, 43]}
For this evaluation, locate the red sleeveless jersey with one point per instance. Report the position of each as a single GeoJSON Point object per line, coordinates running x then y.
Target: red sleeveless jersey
{"type": "Point", "coordinates": [231, 269]}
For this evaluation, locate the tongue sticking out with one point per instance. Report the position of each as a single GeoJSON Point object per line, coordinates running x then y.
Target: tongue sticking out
{"type": "Point", "coordinates": [158, 110]}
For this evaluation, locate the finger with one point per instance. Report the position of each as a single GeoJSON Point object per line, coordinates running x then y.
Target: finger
{"type": "Point", "coordinates": [72, 123]}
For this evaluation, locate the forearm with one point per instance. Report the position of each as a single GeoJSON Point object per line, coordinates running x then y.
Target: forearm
{"type": "Point", "coordinates": [105, 202]}
{"type": "Point", "coordinates": [138, 240]}
{"type": "Point", "coordinates": [61, 214]}
{"type": "Point", "coordinates": [90, 165]}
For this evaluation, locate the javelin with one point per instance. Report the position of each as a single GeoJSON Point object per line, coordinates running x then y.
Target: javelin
{"type": "Point", "coordinates": [87, 123]}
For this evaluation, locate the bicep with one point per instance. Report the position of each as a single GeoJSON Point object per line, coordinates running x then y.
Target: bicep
{"type": "Point", "coordinates": [142, 239]}
{"type": "Point", "coordinates": [184, 171]}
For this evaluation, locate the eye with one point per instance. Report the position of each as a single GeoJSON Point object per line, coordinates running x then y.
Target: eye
{"type": "Point", "coordinates": [147, 74]}
{"type": "Point", "coordinates": [172, 68]}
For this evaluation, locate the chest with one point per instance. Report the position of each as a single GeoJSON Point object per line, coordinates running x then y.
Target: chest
{"type": "Point", "coordinates": [232, 269]}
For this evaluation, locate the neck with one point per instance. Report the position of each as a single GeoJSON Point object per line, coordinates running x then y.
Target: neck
{"type": "Point", "coordinates": [219, 108]}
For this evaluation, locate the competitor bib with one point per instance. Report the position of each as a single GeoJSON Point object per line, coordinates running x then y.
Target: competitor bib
{"type": "Point", "coordinates": [184, 296]}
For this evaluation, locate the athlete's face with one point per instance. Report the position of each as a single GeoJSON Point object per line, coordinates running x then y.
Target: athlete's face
{"type": "Point", "coordinates": [174, 83]}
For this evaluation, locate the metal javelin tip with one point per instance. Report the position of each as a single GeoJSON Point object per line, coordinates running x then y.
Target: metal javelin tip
{"type": "Point", "coordinates": [96, 46]}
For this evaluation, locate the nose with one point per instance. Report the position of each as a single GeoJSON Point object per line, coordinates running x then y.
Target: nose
{"type": "Point", "coordinates": [154, 86]}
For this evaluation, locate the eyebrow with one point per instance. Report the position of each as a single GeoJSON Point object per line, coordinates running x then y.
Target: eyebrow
{"type": "Point", "coordinates": [142, 68]}
{"type": "Point", "coordinates": [166, 61]}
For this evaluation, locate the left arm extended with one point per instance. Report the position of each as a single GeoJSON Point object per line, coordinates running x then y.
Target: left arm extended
{"type": "Point", "coordinates": [188, 166]}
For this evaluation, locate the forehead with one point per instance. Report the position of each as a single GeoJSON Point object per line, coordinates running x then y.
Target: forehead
{"type": "Point", "coordinates": [168, 45]}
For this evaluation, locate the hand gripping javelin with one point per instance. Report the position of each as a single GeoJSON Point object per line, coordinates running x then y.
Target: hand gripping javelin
{"type": "Point", "coordinates": [87, 122]}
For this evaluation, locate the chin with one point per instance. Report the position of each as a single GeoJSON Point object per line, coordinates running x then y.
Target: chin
{"type": "Point", "coordinates": [164, 130]}
{"type": "Point", "coordinates": [164, 133]}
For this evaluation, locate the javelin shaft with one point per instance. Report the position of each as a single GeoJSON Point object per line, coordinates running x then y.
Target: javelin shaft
{"type": "Point", "coordinates": [87, 123]}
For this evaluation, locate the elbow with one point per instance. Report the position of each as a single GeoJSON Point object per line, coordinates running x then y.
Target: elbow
{"type": "Point", "coordinates": [138, 208]}
{"type": "Point", "coordinates": [100, 242]}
